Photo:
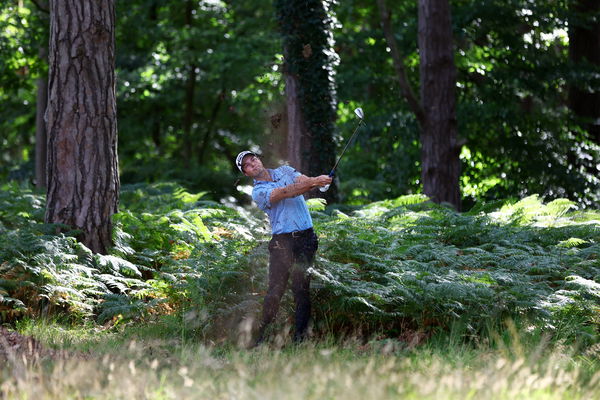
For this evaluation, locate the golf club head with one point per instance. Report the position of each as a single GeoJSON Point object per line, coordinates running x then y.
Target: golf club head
{"type": "Point", "coordinates": [359, 113]}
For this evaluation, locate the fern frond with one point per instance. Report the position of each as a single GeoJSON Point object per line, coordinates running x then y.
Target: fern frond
{"type": "Point", "coordinates": [125, 307]}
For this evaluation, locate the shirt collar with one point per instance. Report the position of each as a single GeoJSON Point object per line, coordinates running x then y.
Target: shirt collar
{"type": "Point", "coordinates": [274, 176]}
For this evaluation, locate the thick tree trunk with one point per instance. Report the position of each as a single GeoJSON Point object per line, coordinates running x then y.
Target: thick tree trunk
{"type": "Point", "coordinates": [40, 127]}
{"type": "Point", "coordinates": [584, 46]}
{"type": "Point", "coordinates": [440, 150]}
{"type": "Point", "coordinates": [83, 180]}
{"type": "Point", "coordinates": [296, 130]}
{"type": "Point", "coordinates": [310, 91]}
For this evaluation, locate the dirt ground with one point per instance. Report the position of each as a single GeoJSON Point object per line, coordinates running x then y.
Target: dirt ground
{"type": "Point", "coordinates": [15, 347]}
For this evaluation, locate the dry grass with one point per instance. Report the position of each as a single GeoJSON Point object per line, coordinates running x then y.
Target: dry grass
{"type": "Point", "coordinates": [150, 370]}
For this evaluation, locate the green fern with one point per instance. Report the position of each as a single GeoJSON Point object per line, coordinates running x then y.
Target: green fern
{"type": "Point", "coordinates": [123, 307]}
{"type": "Point", "coordinates": [386, 266]}
{"type": "Point", "coordinates": [474, 268]}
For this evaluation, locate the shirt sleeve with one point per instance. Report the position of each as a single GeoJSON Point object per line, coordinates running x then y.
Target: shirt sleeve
{"type": "Point", "coordinates": [262, 196]}
{"type": "Point", "coordinates": [291, 172]}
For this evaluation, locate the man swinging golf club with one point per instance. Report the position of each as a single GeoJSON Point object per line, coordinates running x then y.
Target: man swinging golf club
{"type": "Point", "coordinates": [278, 192]}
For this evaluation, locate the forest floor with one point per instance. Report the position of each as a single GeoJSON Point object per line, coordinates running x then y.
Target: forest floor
{"type": "Point", "coordinates": [156, 361]}
{"type": "Point", "coordinates": [500, 305]}
{"type": "Point", "coordinates": [15, 347]}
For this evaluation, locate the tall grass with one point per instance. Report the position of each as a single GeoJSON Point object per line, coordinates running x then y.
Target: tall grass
{"type": "Point", "coordinates": [144, 363]}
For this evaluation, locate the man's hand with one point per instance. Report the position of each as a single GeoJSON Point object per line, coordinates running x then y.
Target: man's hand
{"type": "Point", "coordinates": [317, 181]}
{"type": "Point", "coordinates": [301, 185]}
{"type": "Point", "coordinates": [322, 180]}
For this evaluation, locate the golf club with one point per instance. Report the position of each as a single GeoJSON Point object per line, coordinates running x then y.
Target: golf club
{"type": "Point", "coordinates": [359, 113]}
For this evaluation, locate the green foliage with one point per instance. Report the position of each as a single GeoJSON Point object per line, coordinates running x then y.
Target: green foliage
{"type": "Point", "coordinates": [24, 34]}
{"type": "Point", "coordinates": [120, 307]}
{"type": "Point", "coordinates": [196, 82]}
{"type": "Point", "coordinates": [384, 160]}
{"type": "Point", "coordinates": [425, 266]}
{"type": "Point", "coordinates": [46, 273]}
{"type": "Point", "coordinates": [513, 77]}
{"type": "Point", "coordinates": [515, 73]}
{"type": "Point", "coordinates": [394, 266]}
{"type": "Point", "coordinates": [205, 79]}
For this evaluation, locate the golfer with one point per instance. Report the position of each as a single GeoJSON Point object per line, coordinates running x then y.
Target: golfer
{"type": "Point", "coordinates": [278, 192]}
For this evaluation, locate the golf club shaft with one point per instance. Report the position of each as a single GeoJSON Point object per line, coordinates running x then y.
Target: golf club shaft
{"type": "Point", "coordinates": [345, 147]}
{"type": "Point", "coordinates": [332, 172]}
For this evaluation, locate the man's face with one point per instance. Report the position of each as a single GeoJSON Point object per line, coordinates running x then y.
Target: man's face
{"type": "Point", "coordinates": [251, 165]}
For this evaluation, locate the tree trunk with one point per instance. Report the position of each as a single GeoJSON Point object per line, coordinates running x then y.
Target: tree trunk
{"type": "Point", "coordinates": [440, 150]}
{"type": "Point", "coordinates": [83, 180]}
{"type": "Point", "coordinates": [296, 129]}
{"type": "Point", "coordinates": [310, 91]}
{"type": "Point", "coordinates": [40, 126]}
{"type": "Point", "coordinates": [584, 46]}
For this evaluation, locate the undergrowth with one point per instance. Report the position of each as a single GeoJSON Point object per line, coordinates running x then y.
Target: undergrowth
{"type": "Point", "coordinates": [400, 268]}
{"type": "Point", "coordinates": [141, 362]}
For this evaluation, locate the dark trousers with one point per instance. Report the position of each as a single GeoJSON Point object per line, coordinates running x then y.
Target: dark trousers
{"type": "Point", "coordinates": [290, 255]}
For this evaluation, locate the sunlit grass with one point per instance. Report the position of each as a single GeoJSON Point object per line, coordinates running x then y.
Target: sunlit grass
{"type": "Point", "coordinates": [156, 362]}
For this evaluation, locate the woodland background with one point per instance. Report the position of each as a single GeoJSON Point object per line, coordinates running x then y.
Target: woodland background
{"type": "Point", "coordinates": [199, 81]}
{"type": "Point", "coordinates": [459, 246]}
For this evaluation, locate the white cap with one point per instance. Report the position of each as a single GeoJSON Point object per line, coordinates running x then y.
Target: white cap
{"type": "Point", "coordinates": [240, 158]}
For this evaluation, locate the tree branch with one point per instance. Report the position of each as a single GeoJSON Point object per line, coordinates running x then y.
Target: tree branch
{"type": "Point", "coordinates": [405, 87]}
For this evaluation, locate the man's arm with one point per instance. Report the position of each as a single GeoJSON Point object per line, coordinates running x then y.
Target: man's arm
{"type": "Point", "coordinates": [301, 185]}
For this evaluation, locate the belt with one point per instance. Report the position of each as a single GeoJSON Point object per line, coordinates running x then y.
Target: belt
{"type": "Point", "coordinates": [295, 234]}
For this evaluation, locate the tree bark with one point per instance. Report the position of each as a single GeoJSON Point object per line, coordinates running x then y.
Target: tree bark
{"type": "Point", "coordinates": [83, 180]}
{"type": "Point", "coordinates": [310, 91]}
{"type": "Point", "coordinates": [296, 125]}
{"type": "Point", "coordinates": [440, 150]}
{"type": "Point", "coordinates": [584, 46]}
{"type": "Point", "coordinates": [40, 126]}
